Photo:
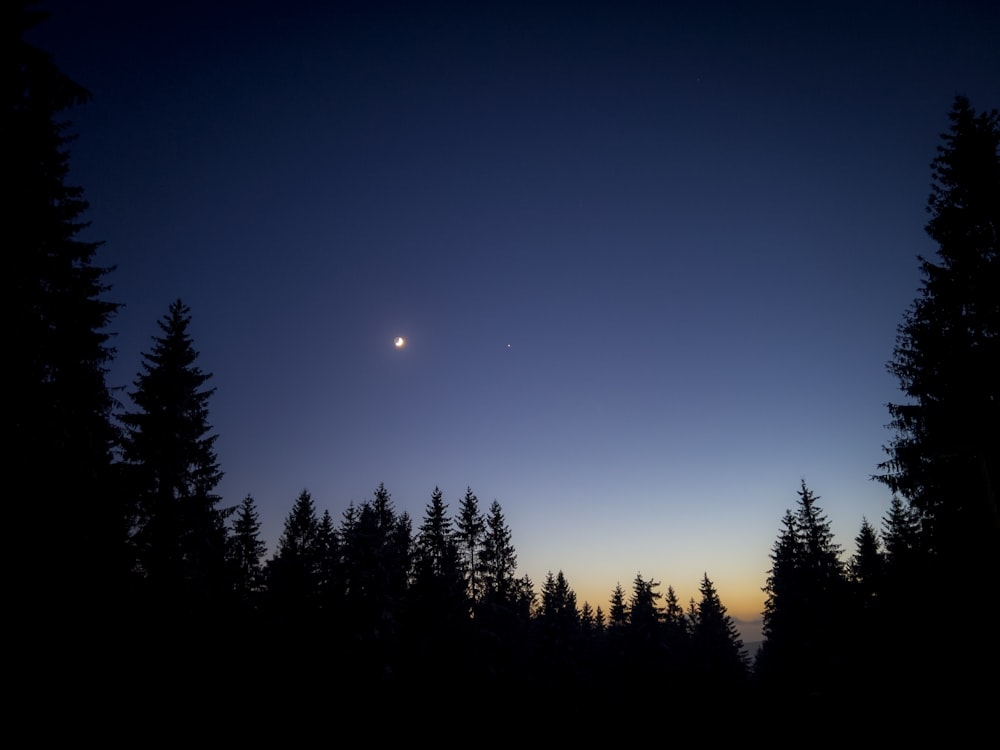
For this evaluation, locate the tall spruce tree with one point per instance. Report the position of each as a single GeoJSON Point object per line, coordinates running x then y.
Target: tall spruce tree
{"type": "Point", "coordinates": [618, 612]}
{"type": "Point", "coordinates": [588, 620]}
{"type": "Point", "coordinates": [180, 538]}
{"type": "Point", "coordinates": [944, 458]}
{"type": "Point", "coordinates": [470, 528]}
{"type": "Point", "coordinates": [906, 573]}
{"type": "Point", "coordinates": [558, 612]}
{"type": "Point", "coordinates": [866, 568]}
{"type": "Point", "coordinates": [903, 543]}
{"type": "Point", "coordinates": [721, 662]}
{"type": "Point", "coordinates": [805, 605]}
{"type": "Point", "coordinates": [377, 552]}
{"type": "Point", "coordinates": [329, 566]}
{"type": "Point", "coordinates": [864, 625]}
{"type": "Point", "coordinates": [437, 611]}
{"type": "Point", "coordinates": [644, 612]}
{"type": "Point", "coordinates": [674, 621]}
{"type": "Point", "coordinates": [676, 633]}
{"type": "Point", "coordinates": [245, 553]}
{"type": "Point", "coordinates": [293, 573]}
{"type": "Point", "coordinates": [499, 559]}
{"type": "Point", "coordinates": [60, 447]}
{"type": "Point", "coordinates": [437, 589]}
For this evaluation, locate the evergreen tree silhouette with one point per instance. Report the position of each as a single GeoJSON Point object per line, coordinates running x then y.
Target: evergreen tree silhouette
{"type": "Point", "coordinates": [866, 568]}
{"type": "Point", "coordinates": [643, 610]}
{"type": "Point", "coordinates": [330, 568]}
{"type": "Point", "coordinates": [865, 633]}
{"type": "Point", "coordinates": [561, 664]}
{"type": "Point", "coordinates": [470, 528]}
{"type": "Point", "coordinates": [63, 435]}
{"type": "Point", "coordinates": [588, 622]}
{"type": "Point", "coordinates": [618, 612]}
{"type": "Point", "coordinates": [245, 554]}
{"type": "Point", "coordinates": [293, 573]}
{"type": "Point", "coordinates": [721, 662]}
{"type": "Point", "coordinates": [676, 636]}
{"type": "Point", "coordinates": [558, 607]}
{"type": "Point", "coordinates": [644, 656]}
{"type": "Point", "coordinates": [804, 612]}
{"type": "Point", "coordinates": [436, 556]}
{"type": "Point", "coordinates": [906, 555]}
{"type": "Point", "coordinates": [499, 559]}
{"type": "Point", "coordinates": [377, 553]}
{"type": "Point", "coordinates": [437, 612]}
{"type": "Point", "coordinates": [180, 538]}
{"type": "Point", "coordinates": [944, 459]}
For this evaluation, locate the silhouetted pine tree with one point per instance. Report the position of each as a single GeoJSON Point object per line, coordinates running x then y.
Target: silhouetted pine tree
{"type": "Point", "coordinates": [59, 449]}
{"type": "Point", "coordinates": [437, 612]}
{"type": "Point", "coordinates": [618, 613]}
{"type": "Point", "coordinates": [803, 613]}
{"type": "Point", "coordinates": [587, 619]}
{"type": "Point", "coordinates": [330, 568]}
{"type": "Point", "coordinates": [293, 573]}
{"type": "Point", "coordinates": [906, 557]}
{"type": "Point", "coordinates": [377, 552]}
{"type": "Point", "coordinates": [558, 607]}
{"type": "Point", "coordinates": [525, 598]}
{"type": "Point", "coordinates": [945, 457]}
{"type": "Point", "coordinates": [864, 631]}
{"type": "Point", "coordinates": [674, 622]}
{"type": "Point", "coordinates": [906, 572]}
{"type": "Point", "coordinates": [499, 560]}
{"type": "Point", "coordinates": [562, 665]}
{"type": "Point", "coordinates": [643, 650]}
{"type": "Point", "coordinates": [436, 568]}
{"type": "Point", "coordinates": [676, 635]}
{"type": "Point", "coordinates": [503, 612]}
{"type": "Point", "coordinates": [783, 604]}
{"type": "Point", "coordinates": [643, 611]}
{"type": "Point", "coordinates": [721, 663]}
{"type": "Point", "coordinates": [245, 554]}
{"type": "Point", "coordinates": [470, 529]}
{"type": "Point", "coordinates": [866, 568]}
{"type": "Point", "coordinates": [180, 538]}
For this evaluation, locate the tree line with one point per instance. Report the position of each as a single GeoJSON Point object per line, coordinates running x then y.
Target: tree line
{"type": "Point", "coordinates": [401, 610]}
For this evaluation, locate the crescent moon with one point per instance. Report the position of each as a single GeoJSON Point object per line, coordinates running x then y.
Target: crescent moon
{"type": "Point", "coordinates": [399, 342]}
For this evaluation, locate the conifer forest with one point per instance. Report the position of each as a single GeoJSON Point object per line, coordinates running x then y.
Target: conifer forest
{"type": "Point", "coordinates": [143, 565]}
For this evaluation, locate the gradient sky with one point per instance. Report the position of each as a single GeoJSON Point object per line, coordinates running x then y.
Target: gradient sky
{"type": "Point", "coordinates": [649, 257]}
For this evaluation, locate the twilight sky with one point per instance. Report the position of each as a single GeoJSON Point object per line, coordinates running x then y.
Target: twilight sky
{"type": "Point", "coordinates": [648, 257]}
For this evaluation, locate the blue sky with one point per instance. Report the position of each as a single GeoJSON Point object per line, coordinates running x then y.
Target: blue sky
{"type": "Point", "coordinates": [649, 258]}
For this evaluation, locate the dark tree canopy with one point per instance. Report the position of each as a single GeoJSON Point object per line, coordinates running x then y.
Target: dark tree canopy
{"type": "Point", "coordinates": [643, 610]}
{"type": "Point", "coordinates": [470, 529]}
{"type": "Point", "coordinates": [437, 584]}
{"type": "Point", "coordinates": [945, 456]}
{"type": "Point", "coordinates": [294, 571]}
{"type": "Point", "coordinates": [718, 648]}
{"type": "Point", "coordinates": [805, 606]}
{"type": "Point", "coordinates": [866, 568]}
{"type": "Point", "coordinates": [62, 435]}
{"type": "Point", "coordinates": [618, 612]}
{"type": "Point", "coordinates": [179, 540]}
{"type": "Point", "coordinates": [499, 559]}
{"type": "Point", "coordinates": [245, 552]}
